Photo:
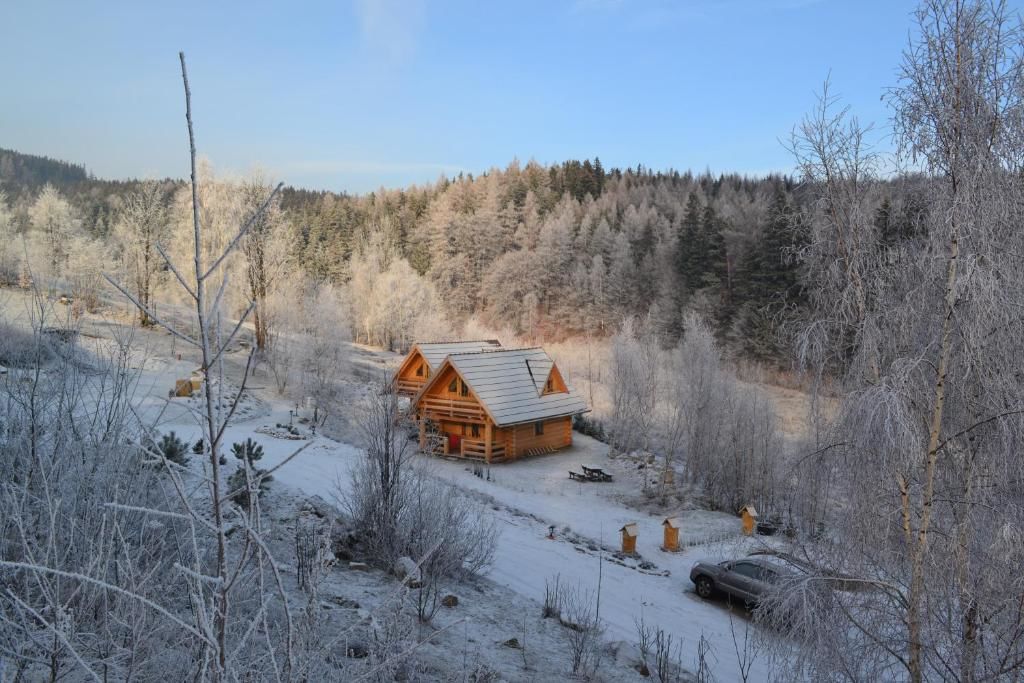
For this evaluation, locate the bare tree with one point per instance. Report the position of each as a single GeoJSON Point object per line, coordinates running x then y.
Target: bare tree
{"type": "Point", "coordinates": [265, 252]}
{"type": "Point", "coordinates": [54, 224]}
{"type": "Point", "coordinates": [929, 433]}
{"type": "Point", "coordinates": [404, 512]}
{"type": "Point", "coordinates": [213, 583]}
{"type": "Point", "coordinates": [583, 630]}
{"type": "Point", "coordinates": [141, 227]}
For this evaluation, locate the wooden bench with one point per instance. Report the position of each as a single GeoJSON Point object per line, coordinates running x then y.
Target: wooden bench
{"type": "Point", "coordinates": [577, 476]}
{"type": "Point", "coordinates": [595, 473]}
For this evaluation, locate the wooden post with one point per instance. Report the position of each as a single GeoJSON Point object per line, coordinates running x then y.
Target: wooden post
{"type": "Point", "coordinates": [487, 442]}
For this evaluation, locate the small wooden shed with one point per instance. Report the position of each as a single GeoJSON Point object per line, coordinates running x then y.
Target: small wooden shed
{"type": "Point", "coordinates": [182, 388]}
{"type": "Point", "coordinates": [749, 516]}
{"type": "Point", "coordinates": [629, 533]}
{"type": "Point", "coordinates": [671, 526]}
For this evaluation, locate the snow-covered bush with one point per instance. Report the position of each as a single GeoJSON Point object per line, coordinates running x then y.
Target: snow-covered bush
{"type": "Point", "coordinates": [399, 509]}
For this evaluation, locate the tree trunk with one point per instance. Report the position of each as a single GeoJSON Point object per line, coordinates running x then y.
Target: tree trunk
{"type": "Point", "coordinates": [920, 549]}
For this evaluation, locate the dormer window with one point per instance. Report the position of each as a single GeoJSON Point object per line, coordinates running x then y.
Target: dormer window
{"type": "Point", "coordinates": [549, 387]}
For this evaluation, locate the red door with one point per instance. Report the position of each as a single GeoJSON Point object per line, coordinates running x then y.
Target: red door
{"type": "Point", "coordinates": [453, 443]}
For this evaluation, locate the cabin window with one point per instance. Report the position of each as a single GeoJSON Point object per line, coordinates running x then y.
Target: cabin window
{"type": "Point", "coordinates": [464, 390]}
{"type": "Point", "coordinates": [475, 429]}
{"type": "Point", "coordinates": [538, 428]}
{"type": "Point", "coordinates": [419, 370]}
{"type": "Point", "coordinates": [463, 428]}
{"type": "Point", "coordinates": [453, 386]}
{"type": "Point", "coordinates": [549, 387]}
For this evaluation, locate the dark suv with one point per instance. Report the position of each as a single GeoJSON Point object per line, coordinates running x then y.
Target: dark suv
{"type": "Point", "coordinates": [745, 580]}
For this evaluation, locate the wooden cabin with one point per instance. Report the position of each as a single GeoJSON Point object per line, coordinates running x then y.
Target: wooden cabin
{"type": "Point", "coordinates": [425, 358]}
{"type": "Point", "coordinates": [496, 405]}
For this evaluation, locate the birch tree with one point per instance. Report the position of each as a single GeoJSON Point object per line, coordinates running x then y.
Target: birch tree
{"type": "Point", "coordinates": [53, 226]}
{"type": "Point", "coordinates": [929, 444]}
{"type": "Point", "coordinates": [142, 225]}
{"type": "Point", "coordinates": [265, 250]}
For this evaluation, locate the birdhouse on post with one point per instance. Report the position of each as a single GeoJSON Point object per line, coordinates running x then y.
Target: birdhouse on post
{"type": "Point", "coordinates": [629, 533]}
{"type": "Point", "coordinates": [671, 542]}
{"type": "Point", "coordinates": [749, 516]}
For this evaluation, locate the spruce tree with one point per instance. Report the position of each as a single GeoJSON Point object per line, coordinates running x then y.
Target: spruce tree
{"type": "Point", "coordinates": [768, 280]}
{"type": "Point", "coordinates": [691, 254]}
{"type": "Point", "coordinates": [713, 242]}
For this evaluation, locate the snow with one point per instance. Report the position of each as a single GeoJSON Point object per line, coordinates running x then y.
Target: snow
{"type": "Point", "coordinates": [527, 496]}
{"type": "Point", "coordinates": [531, 495]}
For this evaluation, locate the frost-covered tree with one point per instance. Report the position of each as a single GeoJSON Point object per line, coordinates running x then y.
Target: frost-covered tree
{"type": "Point", "coordinates": [265, 247]}
{"type": "Point", "coordinates": [12, 247]}
{"type": "Point", "coordinates": [141, 228]}
{"type": "Point", "coordinates": [53, 227]}
{"type": "Point", "coordinates": [926, 342]}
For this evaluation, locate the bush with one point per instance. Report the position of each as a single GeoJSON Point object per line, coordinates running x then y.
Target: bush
{"type": "Point", "coordinates": [173, 448]}
{"type": "Point", "coordinates": [198, 447]}
{"type": "Point", "coordinates": [249, 451]}
{"type": "Point", "coordinates": [592, 427]}
{"type": "Point", "coordinates": [400, 510]}
{"type": "Point", "coordinates": [239, 489]}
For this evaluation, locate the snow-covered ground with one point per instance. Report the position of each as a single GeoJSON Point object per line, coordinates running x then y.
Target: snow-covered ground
{"type": "Point", "coordinates": [528, 497]}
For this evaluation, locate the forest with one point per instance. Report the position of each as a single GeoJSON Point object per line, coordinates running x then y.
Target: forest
{"type": "Point", "coordinates": [543, 252]}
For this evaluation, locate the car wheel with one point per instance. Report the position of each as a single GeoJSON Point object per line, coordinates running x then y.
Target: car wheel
{"type": "Point", "coordinates": [705, 588]}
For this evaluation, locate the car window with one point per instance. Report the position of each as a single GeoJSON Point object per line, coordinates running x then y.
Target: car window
{"type": "Point", "coordinates": [769, 576]}
{"type": "Point", "coordinates": [751, 571]}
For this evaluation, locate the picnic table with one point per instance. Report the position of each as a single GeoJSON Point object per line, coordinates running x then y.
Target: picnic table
{"type": "Point", "coordinates": [590, 474]}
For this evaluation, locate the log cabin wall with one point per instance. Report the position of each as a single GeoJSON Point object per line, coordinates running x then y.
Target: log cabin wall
{"type": "Point", "coordinates": [557, 433]}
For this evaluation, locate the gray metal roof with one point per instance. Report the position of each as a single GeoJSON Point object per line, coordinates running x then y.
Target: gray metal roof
{"type": "Point", "coordinates": [436, 352]}
{"type": "Point", "coordinates": [510, 382]}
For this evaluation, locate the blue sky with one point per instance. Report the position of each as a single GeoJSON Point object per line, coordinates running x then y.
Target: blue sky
{"type": "Point", "coordinates": [354, 95]}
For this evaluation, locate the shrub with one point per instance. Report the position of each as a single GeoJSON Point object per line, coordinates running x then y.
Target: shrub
{"type": "Point", "coordinates": [592, 427]}
{"type": "Point", "coordinates": [249, 451]}
{"type": "Point", "coordinates": [239, 489]}
{"type": "Point", "coordinates": [173, 448]}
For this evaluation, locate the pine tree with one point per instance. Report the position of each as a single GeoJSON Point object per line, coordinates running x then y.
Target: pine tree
{"type": "Point", "coordinates": [249, 451]}
{"type": "Point", "coordinates": [173, 448]}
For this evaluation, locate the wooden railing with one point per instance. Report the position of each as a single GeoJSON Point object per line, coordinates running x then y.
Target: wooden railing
{"type": "Point", "coordinates": [449, 407]}
{"type": "Point", "coordinates": [408, 387]}
{"type": "Point", "coordinates": [477, 449]}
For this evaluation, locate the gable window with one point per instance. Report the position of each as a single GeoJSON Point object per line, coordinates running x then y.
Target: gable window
{"type": "Point", "coordinates": [453, 386]}
{"type": "Point", "coordinates": [463, 389]}
{"type": "Point", "coordinates": [549, 387]}
{"type": "Point", "coordinates": [538, 428]}
{"type": "Point", "coordinates": [419, 370]}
